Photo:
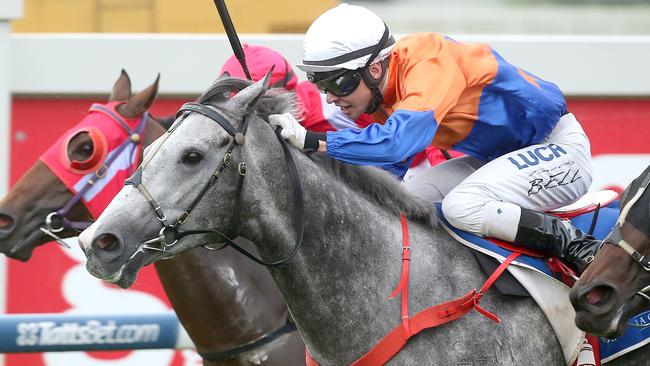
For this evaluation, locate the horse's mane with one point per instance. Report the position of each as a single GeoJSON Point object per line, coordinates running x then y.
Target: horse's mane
{"type": "Point", "coordinates": [634, 185]}
{"type": "Point", "coordinates": [375, 184]}
{"type": "Point", "coordinates": [274, 101]}
{"type": "Point", "coordinates": [638, 215]}
{"type": "Point", "coordinates": [378, 186]}
{"type": "Point", "coordinates": [222, 89]}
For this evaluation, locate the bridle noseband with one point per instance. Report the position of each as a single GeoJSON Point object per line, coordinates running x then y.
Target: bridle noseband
{"type": "Point", "coordinates": [170, 233]}
{"type": "Point", "coordinates": [57, 221]}
{"type": "Point", "coordinates": [615, 236]}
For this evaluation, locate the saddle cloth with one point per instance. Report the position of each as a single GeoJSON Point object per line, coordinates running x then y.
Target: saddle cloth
{"type": "Point", "coordinates": [547, 287]}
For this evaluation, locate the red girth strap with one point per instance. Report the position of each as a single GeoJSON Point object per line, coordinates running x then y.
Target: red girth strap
{"type": "Point", "coordinates": [431, 317]}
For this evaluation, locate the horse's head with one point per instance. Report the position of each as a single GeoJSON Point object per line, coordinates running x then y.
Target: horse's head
{"type": "Point", "coordinates": [198, 165]}
{"type": "Point", "coordinates": [43, 204]}
{"type": "Point", "coordinates": [615, 285]}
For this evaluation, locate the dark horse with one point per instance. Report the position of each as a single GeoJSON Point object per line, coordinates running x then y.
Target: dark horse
{"type": "Point", "coordinates": [227, 305]}
{"type": "Point", "coordinates": [615, 285]}
{"type": "Point", "coordinates": [223, 170]}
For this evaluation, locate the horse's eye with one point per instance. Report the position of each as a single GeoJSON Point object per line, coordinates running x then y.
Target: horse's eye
{"type": "Point", "coordinates": [192, 157]}
{"type": "Point", "coordinates": [81, 148]}
{"type": "Point", "coordinates": [86, 149]}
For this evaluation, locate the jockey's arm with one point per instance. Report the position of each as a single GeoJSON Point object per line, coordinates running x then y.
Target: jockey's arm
{"type": "Point", "coordinates": [404, 134]}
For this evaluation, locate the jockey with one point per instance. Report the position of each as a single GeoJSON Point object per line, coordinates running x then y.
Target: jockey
{"type": "Point", "coordinates": [525, 153]}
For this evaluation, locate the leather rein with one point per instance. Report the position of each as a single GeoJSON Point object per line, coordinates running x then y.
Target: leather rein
{"type": "Point", "coordinates": [289, 327]}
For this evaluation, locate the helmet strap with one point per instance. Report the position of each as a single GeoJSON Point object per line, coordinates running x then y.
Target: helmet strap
{"type": "Point", "coordinates": [374, 85]}
{"type": "Point", "coordinates": [377, 98]}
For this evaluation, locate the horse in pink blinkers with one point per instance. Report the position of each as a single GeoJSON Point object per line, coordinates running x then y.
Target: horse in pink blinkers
{"type": "Point", "coordinates": [93, 159]}
{"type": "Point", "coordinates": [76, 178]}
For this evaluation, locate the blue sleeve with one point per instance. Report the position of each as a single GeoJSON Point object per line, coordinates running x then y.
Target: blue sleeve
{"type": "Point", "coordinates": [399, 169]}
{"type": "Point", "coordinates": [405, 133]}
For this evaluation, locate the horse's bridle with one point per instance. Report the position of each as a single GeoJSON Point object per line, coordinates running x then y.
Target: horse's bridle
{"type": "Point", "coordinates": [616, 238]}
{"type": "Point", "coordinates": [57, 221]}
{"type": "Point", "coordinates": [170, 233]}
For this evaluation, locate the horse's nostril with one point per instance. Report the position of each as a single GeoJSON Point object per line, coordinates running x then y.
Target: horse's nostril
{"type": "Point", "coordinates": [598, 295]}
{"type": "Point", "coordinates": [106, 242]}
{"type": "Point", "coordinates": [594, 296]}
{"type": "Point", "coordinates": [6, 221]}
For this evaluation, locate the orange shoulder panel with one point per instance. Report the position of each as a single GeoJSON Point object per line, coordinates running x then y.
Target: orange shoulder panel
{"type": "Point", "coordinates": [430, 72]}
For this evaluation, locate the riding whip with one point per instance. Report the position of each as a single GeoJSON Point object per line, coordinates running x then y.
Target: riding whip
{"type": "Point", "coordinates": [232, 35]}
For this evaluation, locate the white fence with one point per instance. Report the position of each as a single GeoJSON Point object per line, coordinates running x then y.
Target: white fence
{"type": "Point", "coordinates": [87, 63]}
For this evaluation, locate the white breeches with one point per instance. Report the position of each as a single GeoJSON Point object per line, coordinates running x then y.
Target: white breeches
{"type": "Point", "coordinates": [485, 198]}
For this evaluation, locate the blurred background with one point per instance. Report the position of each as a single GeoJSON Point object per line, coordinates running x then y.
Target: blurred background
{"type": "Point", "coordinates": [59, 56]}
{"type": "Point", "coordinates": [288, 16]}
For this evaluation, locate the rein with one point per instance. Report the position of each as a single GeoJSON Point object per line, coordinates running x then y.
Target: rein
{"type": "Point", "coordinates": [170, 233]}
{"type": "Point", "coordinates": [615, 237]}
{"type": "Point", "coordinates": [57, 221]}
{"type": "Point", "coordinates": [289, 327]}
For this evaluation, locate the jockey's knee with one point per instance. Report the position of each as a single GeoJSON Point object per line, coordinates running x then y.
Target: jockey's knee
{"type": "Point", "coordinates": [481, 215]}
{"type": "Point", "coordinates": [465, 211]}
{"type": "Point", "coordinates": [433, 184]}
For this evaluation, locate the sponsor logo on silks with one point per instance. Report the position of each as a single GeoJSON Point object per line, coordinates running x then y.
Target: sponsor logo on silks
{"type": "Point", "coordinates": [533, 156]}
{"type": "Point", "coordinates": [49, 333]}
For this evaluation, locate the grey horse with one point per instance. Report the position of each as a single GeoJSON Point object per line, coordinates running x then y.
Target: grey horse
{"type": "Point", "coordinates": [338, 283]}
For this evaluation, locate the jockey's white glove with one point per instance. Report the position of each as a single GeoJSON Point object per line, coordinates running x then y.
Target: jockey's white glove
{"type": "Point", "coordinates": [292, 130]}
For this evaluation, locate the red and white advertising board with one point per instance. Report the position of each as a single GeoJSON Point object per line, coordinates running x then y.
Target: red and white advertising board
{"type": "Point", "coordinates": [619, 131]}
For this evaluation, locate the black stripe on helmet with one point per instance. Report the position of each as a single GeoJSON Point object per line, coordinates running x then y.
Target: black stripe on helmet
{"type": "Point", "coordinates": [384, 42]}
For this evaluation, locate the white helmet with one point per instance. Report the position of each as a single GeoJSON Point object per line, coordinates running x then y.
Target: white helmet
{"type": "Point", "coordinates": [345, 37]}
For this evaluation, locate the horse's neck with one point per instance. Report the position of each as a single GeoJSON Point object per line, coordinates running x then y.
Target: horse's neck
{"type": "Point", "coordinates": [347, 267]}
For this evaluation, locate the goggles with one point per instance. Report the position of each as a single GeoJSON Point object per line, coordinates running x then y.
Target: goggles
{"type": "Point", "coordinates": [339, 83]}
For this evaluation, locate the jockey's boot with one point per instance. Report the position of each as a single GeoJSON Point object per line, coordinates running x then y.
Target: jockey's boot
{"type": "Point", "coordinates": [555, 237]}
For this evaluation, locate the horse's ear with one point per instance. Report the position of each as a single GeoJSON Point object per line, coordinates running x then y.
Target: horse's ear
{"type": "Point", "coordinates": [140, 102]}
{"type": "Point", "coordinates": [121, 88]}
{"type": "Point", "coordinates": [248, 97]}
{"type": "Point", "coordinates": [267, 79]}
